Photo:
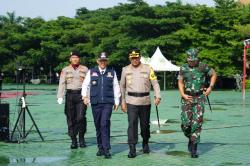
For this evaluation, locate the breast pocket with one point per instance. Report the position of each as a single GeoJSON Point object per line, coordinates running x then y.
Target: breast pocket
{"type": "Point", "coordinates": [69, 77]}
{"type": "Point", "coordinates": [110, 81]}
{"type": "Point", "coordinates": [129, 78]}
{"type": "Point", "coordinates": [94, 81]}
{"type": "Point", "coordinates": [187, 75]}
{"type": "Point", "coordinates": [94, 86]}
{"type": "Point", "coordinates": [144, 81]}
{"type": "Point", "coordinates": [144, 76]}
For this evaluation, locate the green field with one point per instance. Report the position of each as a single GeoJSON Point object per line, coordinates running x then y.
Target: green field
{"type": "Point", "coordinates": [225, 139]}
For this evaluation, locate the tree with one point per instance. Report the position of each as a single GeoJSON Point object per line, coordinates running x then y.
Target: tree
{"type": "Point", "coordinates": [11, 18]}
{"type": "Point", "coordinates": [175, 27]}
{"type": "Point", "coordinates": [225, 4]}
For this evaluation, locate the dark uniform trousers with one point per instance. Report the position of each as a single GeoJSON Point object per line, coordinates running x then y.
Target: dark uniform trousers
{"type": "Point", "coordinates": [141, 112]}
{"type": "Point", "coordinates": [75, 111]}
{"type": "Point", "coordinates": [102, 114]}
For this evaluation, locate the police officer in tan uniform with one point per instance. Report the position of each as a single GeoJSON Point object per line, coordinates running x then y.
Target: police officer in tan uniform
{"type": "Point", "coordinates": [135, 86]}
{"type": "Point", "coordinates": [71, 80]}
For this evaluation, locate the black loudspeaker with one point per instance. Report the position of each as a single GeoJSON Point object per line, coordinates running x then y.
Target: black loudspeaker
{"type": "Point", "coordinates": [4, 121]}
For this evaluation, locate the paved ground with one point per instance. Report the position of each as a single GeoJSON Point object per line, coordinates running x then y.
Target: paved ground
{"type": "Point", "coordinates": [225, 139]}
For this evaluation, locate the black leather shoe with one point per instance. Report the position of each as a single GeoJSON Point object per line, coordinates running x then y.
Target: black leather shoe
{"type": "Point", "coordinates": [132, 151]}
{"type": "Point", "coordinates": [74, 143]}
{"type": "Point", "coordinates": [107, 154]}
{"type": "Point", "coordinates": [100, 152]}
{"type": "Point", "coordinates": [83, 145]}
{"type": "Point", "coordinates": [145, 148]}
{"type": "Point", "coordinates": [194, 155]}
{"type": "Point", "coordinates": [73, 146]}
{"type": "Point", "coordinates": [82, 142]}
{"type": "Point", "coordinates": [194, 150]}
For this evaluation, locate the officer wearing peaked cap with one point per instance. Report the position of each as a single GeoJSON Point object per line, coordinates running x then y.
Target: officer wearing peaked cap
{"type": "Point", "coordinates": [104, 93]}
{"type": "Point", "coordinates": [135, 84]}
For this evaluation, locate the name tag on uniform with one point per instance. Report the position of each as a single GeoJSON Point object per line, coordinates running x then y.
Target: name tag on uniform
{"type": "Point", "coordinates": [110, 75]}
{"type": "Point", "coordinates": [144, 74]}
{"type": "Point", "coordinates": [94, 74]}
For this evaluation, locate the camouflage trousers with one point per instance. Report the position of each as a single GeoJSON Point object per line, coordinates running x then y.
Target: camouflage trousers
{"type": "Point", "coordinates": [192, 118]}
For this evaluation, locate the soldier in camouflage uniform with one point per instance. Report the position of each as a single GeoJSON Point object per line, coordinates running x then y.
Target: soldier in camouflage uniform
{"type": "Point", "coordinates": [191, 82]}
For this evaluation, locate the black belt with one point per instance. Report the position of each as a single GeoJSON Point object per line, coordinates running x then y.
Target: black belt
{"type": "Point", "coordinates": [135, 94]}
{"type": "Point", "coordinates": [79, 91]}
{"type": "Point", "coordinates": [194, 93]}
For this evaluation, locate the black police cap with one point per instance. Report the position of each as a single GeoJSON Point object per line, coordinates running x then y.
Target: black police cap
{"type": "Point", "coordinates": [74, 52]}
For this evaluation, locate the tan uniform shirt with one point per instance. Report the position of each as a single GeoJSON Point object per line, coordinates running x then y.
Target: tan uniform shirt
{"type": "Point", "coordinates": [71, 79]}
{"type": "Point", "coordinates": [138, 80]}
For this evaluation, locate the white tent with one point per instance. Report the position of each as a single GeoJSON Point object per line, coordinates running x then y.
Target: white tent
{"type": "Point", "coordinates": [159, 63]}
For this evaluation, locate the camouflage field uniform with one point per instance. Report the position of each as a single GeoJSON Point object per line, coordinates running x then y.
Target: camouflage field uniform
{"type": "Point", "coordinates": [192, 112]}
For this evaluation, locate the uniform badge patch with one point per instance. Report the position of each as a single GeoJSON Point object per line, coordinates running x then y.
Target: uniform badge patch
{"type": "Point", "coordinates": [152, 75]}
{"type": "Point", "coordinates": [110, 75]}
{"type": "Point", "coordinates": [94, 82]}
{"type": "Point", "coordinates": [94, 74]}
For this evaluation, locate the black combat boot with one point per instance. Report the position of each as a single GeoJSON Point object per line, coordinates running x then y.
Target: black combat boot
{"type": "Point", "coordinates": [145, 147]}
{"type": "Point", "coordinates": [82, 142]}
{"type": "Point", "coordinates": [74, 143]}
{"type": "Point", "coordinates": [107, 154]}
{"type": "Point", "coordinates": [194, 150]}
{"type": "Point", "coordinates": [132, 151]}
{"type": "Point", "coordinates": [100, 152]}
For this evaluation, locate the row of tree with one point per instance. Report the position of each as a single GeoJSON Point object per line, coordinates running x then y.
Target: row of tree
{"type": "Point", "coordinates": [217, 31]}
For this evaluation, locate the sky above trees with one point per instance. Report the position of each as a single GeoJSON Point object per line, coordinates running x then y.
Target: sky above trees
{"type": "Point", "coordinates": [51, 9]}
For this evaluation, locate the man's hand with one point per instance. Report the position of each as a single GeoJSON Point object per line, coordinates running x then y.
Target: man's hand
{"type": "Point", "coordinates": [124, 107]}
{"type": "Point", "coordinates": [60, 100]}
{"type": "Point", "coordinates": [157, 101]}
{"type": "Point", "coordinates": [116, 107]}
{"type": "Point", "coordinates": [208, 91]}
{"type": "Point", "coordinates": [187, 97]}
{"type": "Point", "coordinates": [85, 100]}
